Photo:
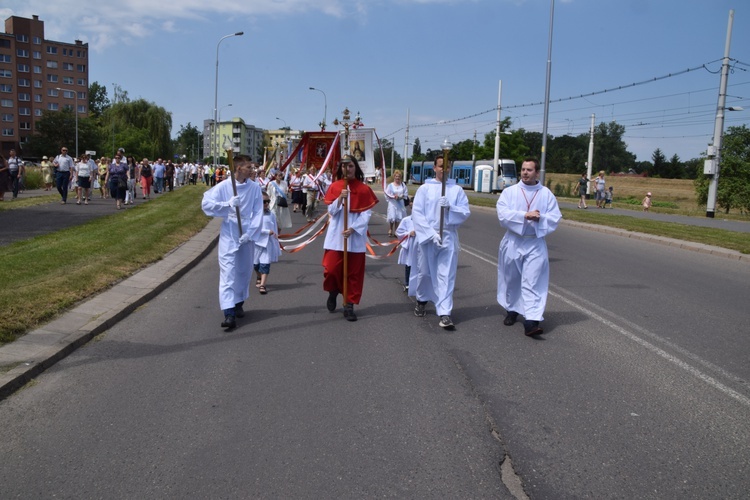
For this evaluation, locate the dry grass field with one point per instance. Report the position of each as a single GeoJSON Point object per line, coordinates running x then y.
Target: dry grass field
{"type": "Point", "coordinates": [680, 191]}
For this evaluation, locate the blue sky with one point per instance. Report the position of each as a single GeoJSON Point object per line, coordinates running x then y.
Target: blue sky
{"type": "Point", "coordinates": [439, 59]}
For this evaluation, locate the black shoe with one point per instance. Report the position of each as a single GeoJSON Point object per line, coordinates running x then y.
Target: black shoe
{"type": "Point", "coordinates": [349, 312]}
{"type": "Point", "coordinates": [531, 328]}
{"type": "Point", "coordinates": [331, 302]}
{"type": "Point", "coordinates": [229, 322]}
{"type": "Point", "coordinates": [239, 311]}
{"type": "Point", "coordinates": [446, 322]}
{"type": "Point", "coordinates": [419, 310]}
{"type": "Point", "coordinates": [511, 318]}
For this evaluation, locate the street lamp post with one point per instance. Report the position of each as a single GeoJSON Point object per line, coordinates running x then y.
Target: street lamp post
{"type": "Point", "coordinates": [76, 96]}
{"type": "Point", "coordinates": [215, 145]}
{"type": "Point", "coordinates": [325, 109]}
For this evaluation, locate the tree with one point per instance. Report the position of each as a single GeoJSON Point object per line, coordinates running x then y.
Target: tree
{"type": "Point", "coordinates": [674, 169]}
{"type": "Point", "coordinates": [659, 162]}
{"type": "Point", "coordinates": [568, 154]}
{"type": "Point", "coordinates": [416, 151]}
{"type": "Point", "coordinates": [734, 180]}
{"type": "Point", "coordinates": [58, 128]}
{"type": "Point", "coordinates": [155, 121]}
{"type": "Point", "coordinates": [610, 151]}
{"type": "Point", "coordinates": [188, 142]}
{"type": "Point", "coordinates": [98, 100]}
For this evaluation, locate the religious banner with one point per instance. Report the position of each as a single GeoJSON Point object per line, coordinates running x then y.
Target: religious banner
{"type": "Point", "coordinates": [361, 148]}
{"type": "Point", "coordinates": [316, 148]}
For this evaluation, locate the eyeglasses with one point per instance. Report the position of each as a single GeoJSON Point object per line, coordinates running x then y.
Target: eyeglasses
{"type": "Point", "coordinates": [266, 201]}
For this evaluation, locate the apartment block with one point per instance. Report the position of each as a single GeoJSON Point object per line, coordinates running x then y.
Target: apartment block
{"type": "Point", "coordinates": [37, 75]}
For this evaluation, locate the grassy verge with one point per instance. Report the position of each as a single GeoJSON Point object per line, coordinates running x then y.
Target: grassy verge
{"type": "Point", "coordinates": [23, 202]}
{"type": "Point", "coordinates": [708, 235]}
{"type": "Point", "coordinates": [50, 273]}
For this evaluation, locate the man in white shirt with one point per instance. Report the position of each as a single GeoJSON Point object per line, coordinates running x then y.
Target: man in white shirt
{"type": "Point", "coordinates": [64, 165]}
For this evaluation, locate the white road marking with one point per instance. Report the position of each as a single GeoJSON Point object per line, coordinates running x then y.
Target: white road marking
{"type": "Point", "coordinates": [635, 338]}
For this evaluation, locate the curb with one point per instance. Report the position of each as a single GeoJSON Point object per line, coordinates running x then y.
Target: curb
{"type": "Point", "coordinates": [39, 349]}
{"type": "Point", "coordinates": [662, 240]}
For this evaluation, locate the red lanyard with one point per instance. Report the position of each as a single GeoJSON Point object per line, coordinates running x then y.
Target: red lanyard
{"type": "Point", "coordinates": [528, 203]}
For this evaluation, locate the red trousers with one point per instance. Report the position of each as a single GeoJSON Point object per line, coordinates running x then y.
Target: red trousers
{"type": "Point", "coordinates": [333, 274]}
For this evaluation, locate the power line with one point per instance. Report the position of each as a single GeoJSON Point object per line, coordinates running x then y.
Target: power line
{"type": "Point", "coordinates": [599, 92]}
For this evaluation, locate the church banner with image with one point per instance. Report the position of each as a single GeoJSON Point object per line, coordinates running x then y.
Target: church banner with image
{"type": "Point", "coordinates": [361, 148]}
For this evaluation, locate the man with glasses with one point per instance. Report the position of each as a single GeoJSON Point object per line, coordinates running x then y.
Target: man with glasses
{"type": "Point", "coordinates": [64, 166]}
{"type": "Point", "coordinates": [235, 250]}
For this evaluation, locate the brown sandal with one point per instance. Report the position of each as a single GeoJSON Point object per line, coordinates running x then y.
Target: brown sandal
{"type": "Point", "coordinates": [262, 289]}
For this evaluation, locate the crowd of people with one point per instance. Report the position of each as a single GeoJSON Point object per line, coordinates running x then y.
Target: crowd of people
{"type": "Point", "coordinates": [257, 208]}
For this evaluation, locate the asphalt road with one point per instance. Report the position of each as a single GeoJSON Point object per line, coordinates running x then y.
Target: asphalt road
{"type": "Point", "coordinates": [639, 388]}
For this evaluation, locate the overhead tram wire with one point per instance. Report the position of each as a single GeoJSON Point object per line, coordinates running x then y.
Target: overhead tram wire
{"type": "Point", "coordinates": [599, 92]}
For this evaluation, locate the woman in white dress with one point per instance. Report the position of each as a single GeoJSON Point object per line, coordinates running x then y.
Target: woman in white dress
{"type": "Point", "coordinates": [395, 194]}
{"type": "Point", "coordinates": [277, 191]}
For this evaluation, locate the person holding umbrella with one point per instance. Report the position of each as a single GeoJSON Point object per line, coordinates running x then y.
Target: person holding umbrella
{"type": "Point", "coordinates": [349, 201]}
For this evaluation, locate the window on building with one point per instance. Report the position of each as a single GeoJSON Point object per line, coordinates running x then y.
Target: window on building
{"type": "Point", "coordinates": [24, 111]}
{"type": "Point", "coordinates": [68, 107]}
{"type": "Point", "coordinates": [37, 84]}
{"type": "Point", "coordinates": [68, 94]}
{"type": "Point", "coordinates": [23, 96]}
{"type": "Point", "coordinates": [4, 58]}
{"type": "Point", "coordinates": [68, 66]}
{"type": "Point", "coordinates": [23, 68]}
{"type": "Point", "coordinates": [22, 38]}
{"type": "Point", "coordinates": [37, 112]}
{"type": "Point", "coordinates": [82, 108]}
{"type": "Point", "coordinates": [8, 132]}
{"type": "Point", "coordinates": [52, 64]}
{"type": "Point", "coordinates": [65, 51]}
{"type": "Point", "coordinates": [68, 80]}
{"type": "Point", "coordinates": [4, 43]}
{"type": "Point", "coordinates": [22, 53]}
{"type": "Point", "coordinates": [36, 54]}
{"type": "Point", "coordinates": [53, 92]}
{"type": "Point", "coordinates": [81, 68]}
{"type": "Point", "coordinates": [52, 106]}
{"type": "Point", "coordinates": [25, 126]}
{"type": "Point", "coordinates": [24, 82]}
{"type": "Point", "coordinates": [52, 78]}
{"type": "Point", "coordinates": [82, 95]}
{"type": "Point", "coordinates": [6, 87]}
{"type": "Point", "coordinates": [8, 117]}
{"type": "Point", "coordinates": [38, 70]}
{"type": "Point", "coordinates": [6, 103]}
{"type": "Point", "coordinates": [51, 50]}
{"type": "Point", "coordinates": [37, 97]}
{"type": "Point", "coordinates": [81, 81]}
{"type": "Point", "coordinates": [37, 40]}
{"type": "Point", "coordinates": [6, 73]}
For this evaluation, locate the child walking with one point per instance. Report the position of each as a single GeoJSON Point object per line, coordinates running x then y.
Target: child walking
{"type": "Point", "coordinates": [408, 254]}
{"type": "Point", "coordinates": [267, 249]}
{"type": "Point", "coordinates": [646, 202]}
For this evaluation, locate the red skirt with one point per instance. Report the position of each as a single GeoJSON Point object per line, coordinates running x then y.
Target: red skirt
{"type": "Point", "coordinates": [333, 274]}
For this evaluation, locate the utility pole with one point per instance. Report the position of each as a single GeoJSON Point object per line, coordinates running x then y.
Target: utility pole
{"type": "Point", "coordinates": [589, 164]}
{"type": "Point", "coordinates": [711, 166]}
{"type": "Point", "coordinates": [406, 145]}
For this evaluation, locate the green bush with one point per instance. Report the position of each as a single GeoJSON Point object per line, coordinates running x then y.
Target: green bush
{"type": "Point", "coordinates": [33, 179]}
